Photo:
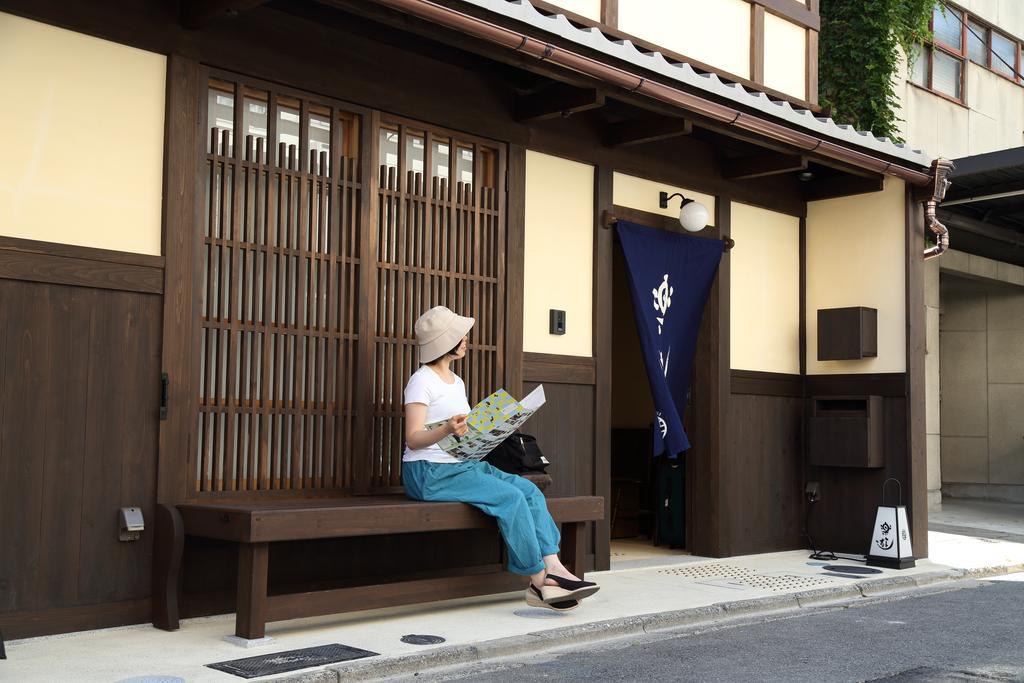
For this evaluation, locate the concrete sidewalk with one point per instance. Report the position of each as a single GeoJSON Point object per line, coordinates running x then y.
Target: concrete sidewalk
{"type": "Point", "coordinates": [650, 593]}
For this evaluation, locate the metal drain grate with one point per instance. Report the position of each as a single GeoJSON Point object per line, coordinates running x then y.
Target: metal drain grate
{"type": "Point", "coordinates": [709, 571]}
{"type": "Point", "coordinates": [291, 660]}
{"type": "Point", "coordinates": [731, 574]}
{"type": "Point", "coordinates": [786, 582]}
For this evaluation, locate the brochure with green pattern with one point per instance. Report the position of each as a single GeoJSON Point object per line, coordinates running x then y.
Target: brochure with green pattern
{"type": "Point", "coordinates": [489, 423]}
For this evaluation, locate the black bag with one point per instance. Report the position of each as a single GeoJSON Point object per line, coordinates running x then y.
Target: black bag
{"type": "Point", "coordinates": [670, 502]}
{"type": "Point", "coordinates": [518, 454]}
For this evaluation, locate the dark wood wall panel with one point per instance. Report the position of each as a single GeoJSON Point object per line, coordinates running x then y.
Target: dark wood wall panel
{"type": "Point", "coordinates": [79, 394]}
{"type": "Point", "coordinates": [564, 428]}
{"type": "Point", "coordinates": [755, 383]}
{"type": "Point", "coordinates": [842, 520]}
{"type": "Point", "coordinates": [544, 367]}
{"type": "Point", "coordinates": [67, 264]}
{"type": "Point", "coordinates": [762, 469]}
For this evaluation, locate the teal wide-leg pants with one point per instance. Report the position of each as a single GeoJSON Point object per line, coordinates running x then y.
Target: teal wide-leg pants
{"type": "Point", "coordinates": [517, 503]}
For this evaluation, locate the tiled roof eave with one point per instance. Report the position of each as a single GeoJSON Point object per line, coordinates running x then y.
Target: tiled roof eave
{"type": "Point", "coordinates": [683, 73]}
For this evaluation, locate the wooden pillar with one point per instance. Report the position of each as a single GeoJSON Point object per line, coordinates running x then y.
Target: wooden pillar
{"type": "Point", "coordinates": [181, 240]}
{"type": "Point", "coordinates": [602, 344]}
{"type": "Point", "coordinates": [574, 547]}
{"type": "Point", "coordinates": [168, 544]}
{"type": "Point", "coordinates": [706, 463]}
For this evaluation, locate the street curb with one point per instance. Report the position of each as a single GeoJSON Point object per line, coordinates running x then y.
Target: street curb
{"type": "Point", "coordinates": [539, 641]}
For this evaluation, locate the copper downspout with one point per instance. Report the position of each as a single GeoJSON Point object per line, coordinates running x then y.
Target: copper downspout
{"type": "Point", "coordinates": [940, 169]}
{"type": "Point", "coordinates": [621, 78]}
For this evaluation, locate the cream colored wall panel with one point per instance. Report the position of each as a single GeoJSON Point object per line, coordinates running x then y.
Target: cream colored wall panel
{"type": "Point", "coordinates": [716, 32]}
{"type": "Point", "coordinates": [559, 254]}
{"type": "Point", "coordinates": [764, 290]}
{"type": "Point", "coordinates": [83, 128]}
{"type": "Point", "coordinates": [591, 9]}
{"type": "Point", "coordinates": [642, 194]}
{"type": "Point", "coordinates": [856, 257]}
{"type": "Point", "coordinates": [785, 56]}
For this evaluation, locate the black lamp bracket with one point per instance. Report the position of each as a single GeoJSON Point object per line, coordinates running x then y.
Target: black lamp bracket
{"type": "Point", "coordinates": [663, 198]}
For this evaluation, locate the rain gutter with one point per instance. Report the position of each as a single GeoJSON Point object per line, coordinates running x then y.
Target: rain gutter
{"type": "Point", "coordinates": [620, 78]}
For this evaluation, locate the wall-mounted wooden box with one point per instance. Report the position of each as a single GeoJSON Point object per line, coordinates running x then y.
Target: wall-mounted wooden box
{"type": "Point", "coordinates": [845, 431]}
{"type": "Point", "coordinates": [847, 333]}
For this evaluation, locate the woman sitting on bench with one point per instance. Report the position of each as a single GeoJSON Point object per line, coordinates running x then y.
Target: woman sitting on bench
{"type": "Point", "coordinates": [436, 393]}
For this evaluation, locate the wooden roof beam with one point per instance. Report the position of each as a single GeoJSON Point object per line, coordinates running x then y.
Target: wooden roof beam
{"type": "Point", "coordinates": [761, 165]}
{"type": "Point", "coordinates": [196, 14]}
{"type": "Point", "coordinates": [842, 186]}
{"type": "Point", "coordinates": [640, 131]}
{"type": "Point", "coordinates": [557, 101]}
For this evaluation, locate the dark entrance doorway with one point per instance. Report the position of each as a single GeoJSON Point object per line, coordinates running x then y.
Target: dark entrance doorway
{"type": "Point", "coordinates": [640, 483]}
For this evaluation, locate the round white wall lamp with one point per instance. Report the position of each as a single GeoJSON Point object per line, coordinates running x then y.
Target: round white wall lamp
{"type": "Point", "coordinates": [693, 215]}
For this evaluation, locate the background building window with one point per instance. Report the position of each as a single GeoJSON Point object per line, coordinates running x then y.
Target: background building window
{"type": "Point", "coordinates": [919, 70]}
{"type": "Point", "coordinates": [1004, 55]}
{"type": "Point", "coordinates": [946, 72]}
{"type": "Point", "coordinates": [977, 42]}
{"type": "Point", "coordinates": [948, 27]}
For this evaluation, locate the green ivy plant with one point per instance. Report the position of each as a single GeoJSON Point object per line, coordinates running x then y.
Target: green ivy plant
{"type": "Point", "coordinates": [861, 41]}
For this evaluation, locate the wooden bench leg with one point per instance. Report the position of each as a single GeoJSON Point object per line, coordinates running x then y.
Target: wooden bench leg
{"type": "Point", "coordinates": [251, 605]}
{"type": "Point", "coordinates": [168, 545]}
{"type": "Point", "coordinates": [574, 548]}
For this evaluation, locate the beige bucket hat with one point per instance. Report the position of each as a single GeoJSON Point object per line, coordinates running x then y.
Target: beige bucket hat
{"type": "Point", "coordinates": [440, 330]}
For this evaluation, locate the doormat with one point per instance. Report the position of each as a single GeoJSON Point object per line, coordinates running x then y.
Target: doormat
{"type": "Point", "coordinates": [847, 569]}
{"type": "Point", "coordinates": [291, 660]}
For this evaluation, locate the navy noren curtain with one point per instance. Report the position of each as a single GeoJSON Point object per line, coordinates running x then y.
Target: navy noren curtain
{"type": "Point", "coordinates": [670, 277]}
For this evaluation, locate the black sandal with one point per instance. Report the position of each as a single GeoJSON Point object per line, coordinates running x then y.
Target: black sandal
{"type": "Point", "coordinates": [577, 589]}
{"type": "Point", "coordinates": [569, 584]}
{"type": "Point", "coordinates": [535, 598]}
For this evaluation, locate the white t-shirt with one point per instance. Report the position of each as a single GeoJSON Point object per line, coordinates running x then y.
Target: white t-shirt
{"type": "Point", "coordinates": [442, 400]}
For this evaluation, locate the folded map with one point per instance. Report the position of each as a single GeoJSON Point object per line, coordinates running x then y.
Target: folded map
{"type": "Point", "coordinates": [489, 423]}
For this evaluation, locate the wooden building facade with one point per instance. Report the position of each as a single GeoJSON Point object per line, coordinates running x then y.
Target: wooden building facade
{"type": "Point", "coordinates": [208, 290]}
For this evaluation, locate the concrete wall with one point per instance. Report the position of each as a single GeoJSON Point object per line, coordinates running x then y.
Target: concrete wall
{"type": "Point", "coordinates": [83, 129]}
{"type": "Point", "coordinates": [933, 423]}
{"type": "Point", "coordinates": [559, 254]}
{"type": "Point", "coordinates": [764, 291]}
{"type": "Point", "coordinates": [856, 257]}
{"type": "Point", "coordinates": [1007, 14]}
{"type": "Point", "coordinates": [982, 382]}
{"type": "Point", "coordinates": [993, 117]}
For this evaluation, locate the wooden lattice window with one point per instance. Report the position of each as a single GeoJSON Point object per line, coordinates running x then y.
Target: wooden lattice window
{"type": "Point", "coordinates": [440, 240]}
{"type": "Point", "coordinates": [278, 300]}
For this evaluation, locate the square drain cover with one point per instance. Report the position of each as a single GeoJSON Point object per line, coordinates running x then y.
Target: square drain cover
{"type": "Point", "coordinates": [291, 660]}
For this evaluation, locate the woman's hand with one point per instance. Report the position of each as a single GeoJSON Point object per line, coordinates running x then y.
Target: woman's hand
{"type": "Point", "coordinates": [416, 437]}
{"type": "Point", "coordinates": [457, 425]}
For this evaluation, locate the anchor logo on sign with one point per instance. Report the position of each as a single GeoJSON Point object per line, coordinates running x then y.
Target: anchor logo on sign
{"type": "Point", "coordinates": [662, 300]}
{"type": "Point", "coordinates": [885, 543]}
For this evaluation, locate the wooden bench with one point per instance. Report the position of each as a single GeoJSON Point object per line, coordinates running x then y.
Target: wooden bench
{"type": "Point", "coordinates": [256, 524]}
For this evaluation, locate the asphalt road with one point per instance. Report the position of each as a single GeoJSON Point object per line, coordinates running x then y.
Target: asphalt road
{"type": "Point", "coordinates": [972, 633]}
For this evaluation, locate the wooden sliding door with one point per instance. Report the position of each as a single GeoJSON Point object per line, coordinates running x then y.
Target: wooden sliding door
{"type": "Point", "coordinates": [320, 232]}
{"type": "Point", "coordinates": [440, 238]}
